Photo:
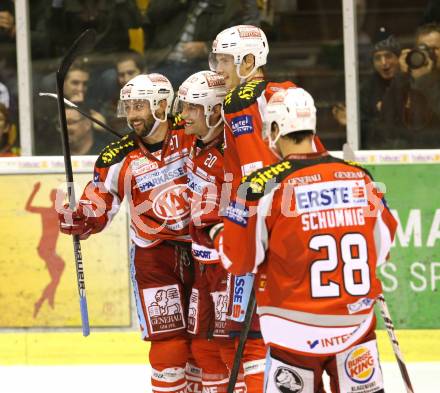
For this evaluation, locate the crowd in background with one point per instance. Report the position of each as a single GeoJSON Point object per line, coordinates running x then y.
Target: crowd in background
{"type": "Point", "coordinates": [398, 67]}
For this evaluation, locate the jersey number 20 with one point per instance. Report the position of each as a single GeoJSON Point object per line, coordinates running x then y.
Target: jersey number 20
{"type": "Point", "coordinates": [351, 264]}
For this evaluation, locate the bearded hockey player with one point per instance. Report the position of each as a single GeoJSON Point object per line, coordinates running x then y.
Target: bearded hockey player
{"type": "Point", "coordinates": [147, 167]}
{"type": "Point", "coordinates": [318, 231]}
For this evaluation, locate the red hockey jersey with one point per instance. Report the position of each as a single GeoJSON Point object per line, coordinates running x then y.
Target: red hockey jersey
{"type": "Point", "coordinates": [314, 228]}
{"type": "Point", "coordinates": [152, 179]}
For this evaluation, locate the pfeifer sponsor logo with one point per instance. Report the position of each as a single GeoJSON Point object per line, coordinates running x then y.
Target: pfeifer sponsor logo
{"type": "Point", "coordinates": [215, 80]}
{"type": "Point", "coordinates": [359, 365]}
{"type": "Point", "coordinates": [158, 78]}
{"type": "Point", "coordinates": [249, 32]}
{"type": "Point", "coordinates": [183, 91]}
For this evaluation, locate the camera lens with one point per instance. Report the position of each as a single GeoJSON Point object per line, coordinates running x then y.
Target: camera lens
{"type": "Point", "coordinates": [416, 59]}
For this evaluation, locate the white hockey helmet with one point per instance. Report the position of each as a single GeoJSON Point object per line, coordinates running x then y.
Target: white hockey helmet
{"type": "Point", "coordinates": [150, 87]}
{"type": "Point", "coordinates": [204, 88]}
{"type": "Point", "coordinates": [293, 110]}
{"type": "Point", "coordinates": [239, 41]}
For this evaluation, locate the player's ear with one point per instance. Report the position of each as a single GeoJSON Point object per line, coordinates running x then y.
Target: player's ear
{"type": "Point", "coordinates": [249, 61]}
{"type": "Point", "coordinates": [217, 109]}
{"type": "Point", "coordinates": [274, 130]}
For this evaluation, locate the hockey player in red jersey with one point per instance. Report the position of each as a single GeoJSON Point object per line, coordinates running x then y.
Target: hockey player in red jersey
{"type": "Point", "coordinates": [147, 167]}
{"type": "Point", "coordinates": [317, 231]}
{"type": "Point", "coordinates": [200, 100]}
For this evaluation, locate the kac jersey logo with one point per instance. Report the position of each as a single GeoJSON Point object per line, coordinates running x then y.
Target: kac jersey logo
{"type": "Point", "coordinates": [359, 365]}
{"type": "Point", "coordinates": [242, 125]}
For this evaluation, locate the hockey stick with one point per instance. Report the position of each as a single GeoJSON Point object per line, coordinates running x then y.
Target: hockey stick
{"type": "Point", "coordinates": [81, 45]}
{"type": "Point", "coordinates": [242, 342]}
{"type": "Point", "coordinates": [71, 105]}
{"type": "Point", "coordinates": [391, 334]}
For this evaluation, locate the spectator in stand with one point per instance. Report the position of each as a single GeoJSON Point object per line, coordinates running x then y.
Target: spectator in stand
{"type": "Point", "coordinates": [83, 139]}
{"type": "Point", "coordinates": [75, 90]}
{"type": "Point", "coordinates": [7, 22]}
{"type": "Point", "coordinates": [117, 23]}
{"type": "Point", "coordinates": [127, 66]}
{"type": "Point", "coordinates": [179, 33]}
{"type": "Point", "coordinates": [385, 59]}
{"type": "Point", "coordinates": [411, 105]}
{"type": "Point", "coordinates": [8, 134]}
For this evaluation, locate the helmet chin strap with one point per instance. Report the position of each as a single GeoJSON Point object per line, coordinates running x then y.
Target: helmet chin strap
{"type": "Point", "coordinates": [244, 78]}
{"type": "Point", "coordinates": [211, 129]}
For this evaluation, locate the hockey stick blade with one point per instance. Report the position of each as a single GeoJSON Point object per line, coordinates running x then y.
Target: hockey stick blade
{"type": "Point", "coordinates": [81, 45]}
{"type": "Point", "coordinates": [71, 105]}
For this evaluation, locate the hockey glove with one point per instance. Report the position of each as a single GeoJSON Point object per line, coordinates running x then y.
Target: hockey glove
{"type": "Point", "coordinates": [200, 235]}
{"type": "Point", "coordinates": [83, 221]}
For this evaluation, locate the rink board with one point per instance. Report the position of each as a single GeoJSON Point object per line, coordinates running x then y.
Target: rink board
{"type": "Point", "coordinates": [128, 348]}
{"type": "Point", "coordinates": [37, 268]}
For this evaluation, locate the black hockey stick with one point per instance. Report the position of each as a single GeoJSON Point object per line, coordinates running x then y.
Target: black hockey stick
{"type": "Point", "coordinates": [395, 344]}
{"type": "Point", "coordinates": [242, 342]}
{"type": "Point", "coordinates": [70, 104]}
{"type": "Point", "coordinates": [82, 44]}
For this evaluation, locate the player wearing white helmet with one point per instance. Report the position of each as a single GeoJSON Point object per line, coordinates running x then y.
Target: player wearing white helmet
{"type": "Point", "coordinates": [315, 244]}
{"type": "Point", "coordinates": [239, 54]}
{"type": "Point", "coordinates": [200, 99]}
{"type": "Point", "coordinates": [146, 101]}
{"type": "Point", "coordinates": [147, 167]}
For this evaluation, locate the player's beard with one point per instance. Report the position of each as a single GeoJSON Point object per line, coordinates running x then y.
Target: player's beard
{"type": "Point", "coordinates": [147, 126]}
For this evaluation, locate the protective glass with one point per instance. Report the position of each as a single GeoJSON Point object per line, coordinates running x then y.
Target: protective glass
{"type": "Point", "coordinates": [191, 109]}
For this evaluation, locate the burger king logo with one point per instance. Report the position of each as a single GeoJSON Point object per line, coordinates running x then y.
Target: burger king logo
{"type": "Point", "coordinates": [359, 365]}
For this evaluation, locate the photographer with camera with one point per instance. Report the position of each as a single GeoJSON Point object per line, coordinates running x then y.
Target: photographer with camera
{"type": "Point", "coordinates": [411, 106]}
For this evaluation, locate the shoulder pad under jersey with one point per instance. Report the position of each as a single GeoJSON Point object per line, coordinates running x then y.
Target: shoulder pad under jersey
{"type": "Point", "coordinates": [263, 180]}
{"type": "Point", "coordinates": [243, 96]}
{"type": "Point", "coordinates": [116, 151]}
{"type": "Point", "coordinates": [359, 166]}
{"type": "Point", "coordinates": [177, 122]}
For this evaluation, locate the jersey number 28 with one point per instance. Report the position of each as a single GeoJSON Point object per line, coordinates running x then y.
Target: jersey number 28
{"type": "Point", "coordinates": [354, 285]}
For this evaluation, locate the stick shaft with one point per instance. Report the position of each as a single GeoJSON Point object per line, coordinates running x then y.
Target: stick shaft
{"type": "Point", "coordinates": [394, 343]}
{"type": "Point", "coordinates": [242, 342]}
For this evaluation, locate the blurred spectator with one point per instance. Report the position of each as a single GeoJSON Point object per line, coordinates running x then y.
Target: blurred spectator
{"type": "Point", "coordinates": [7, 21]}
{"type": "Point", "coordinates": [4, 95]}
{"type": "Point", "coordinates": [127, 66]}
{"type": "Point", "coordinates": [115, 21]}
{"type": "Point", "coordinates": [8, 134]}
{"type": "Point", "coordinates": [46, 113]}
{"type": "Point", "coordinates": [411, 106]}
{"type": "Point", "coordinates": [179, 33]}
{"type": "Point", "coordinates": [385, 59]}
{"type": "Point", "coordinates": [83, 139]}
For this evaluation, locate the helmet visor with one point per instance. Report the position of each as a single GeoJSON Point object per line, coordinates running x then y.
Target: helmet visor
{"type": "Point", "coordinates": [125, 107]}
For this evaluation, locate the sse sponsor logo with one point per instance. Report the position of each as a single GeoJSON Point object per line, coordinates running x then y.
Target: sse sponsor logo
{"type": "Point", "coordinates": [242, 125]}
{"type": "Point", "coordinates": [359, 365]}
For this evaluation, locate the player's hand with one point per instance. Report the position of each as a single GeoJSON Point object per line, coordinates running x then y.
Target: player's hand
{"type": "Point", "coordinates": [77, 222]}
{"type": "Point", "coordinates": [200, 236]}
